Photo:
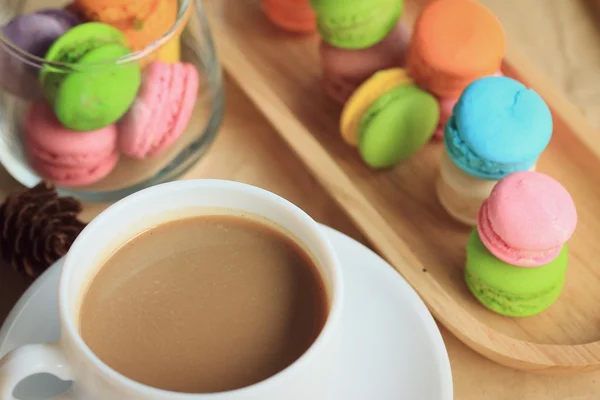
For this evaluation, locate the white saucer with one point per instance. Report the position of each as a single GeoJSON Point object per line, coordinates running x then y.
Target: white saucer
{"type": "Point", "coordinates": [392, 350]}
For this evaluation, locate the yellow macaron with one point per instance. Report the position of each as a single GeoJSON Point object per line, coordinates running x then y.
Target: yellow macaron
{"type": "Point", "coordinates": [372, 89]}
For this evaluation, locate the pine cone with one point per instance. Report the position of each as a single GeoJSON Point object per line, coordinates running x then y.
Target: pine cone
{"type": "Point", "coordinates": [37, 228]}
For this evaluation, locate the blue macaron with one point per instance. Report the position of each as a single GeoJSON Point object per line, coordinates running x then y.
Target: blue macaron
{"type": "Point", "coordinates": [498, 127]}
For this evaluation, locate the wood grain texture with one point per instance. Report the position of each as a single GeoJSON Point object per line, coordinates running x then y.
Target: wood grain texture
{"type": "Point", "coordinates": [398, 211]}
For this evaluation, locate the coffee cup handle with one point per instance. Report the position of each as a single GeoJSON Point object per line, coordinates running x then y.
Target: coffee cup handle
{"type": "Point", "coordinates": [30, 360]}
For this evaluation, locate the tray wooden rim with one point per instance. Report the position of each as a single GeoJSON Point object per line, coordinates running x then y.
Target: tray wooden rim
{"type": "Point", "coordinates": [497, 346]}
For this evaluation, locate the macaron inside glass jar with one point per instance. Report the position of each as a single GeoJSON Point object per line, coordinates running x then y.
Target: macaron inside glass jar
{"type": "Point", "coordinates": [142, 22]}
{"type": "Point", "coordinates": [98, 91]}
{"type": "Point", "coordinates": [32, 33]}
{"type": "Point", "coordinates": [66, 157]}
{"type": "Point", "coordinates": [161, 111]}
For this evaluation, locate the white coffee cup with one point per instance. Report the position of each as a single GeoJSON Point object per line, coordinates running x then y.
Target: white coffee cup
{"type": "Point", "coordinates": [310, 377]}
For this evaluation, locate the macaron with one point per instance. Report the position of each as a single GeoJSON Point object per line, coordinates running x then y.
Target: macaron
{"type": "Point", "coordinates": [372, 89]}
{"type": "Point", "coordinates": [31, 33]}
{"type": "Point", "coordinates": [510, 290]}
{"type": "Point", "coordinates": [170, 52]}
{"type": "Point", "coordinates": [357, 24]}
{"type": "Point", "coordinates": [143, 31]}
{"type": "Point", "coordinates": [99, 91]}
{"type": "Point", "coordinates": [74, 9]}
{"type": "Point", "coordinates": [294, 16]}
{"type": "Point", "coordinates": [454, 43]}
{"type": "Point", "coordinates": [120, 13]}
{"type": "Point", "coordinates": [344, 70]}
{"type": "Point", "coordinates": [141, 21]}
{"type": "Point", "coordinates": [65, 157]}
{"type": "Point", "coordinates": [396, 125]}
{"type": "Point", "coordinates": [161, 111]}
{"type": "Point", "coordinates": [498, 127]}
{"type": "Point", "coordinates": [527, 219]}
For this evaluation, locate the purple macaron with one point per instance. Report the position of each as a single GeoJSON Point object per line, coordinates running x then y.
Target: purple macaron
{"type": "Point", "coordinates": [34, 34]}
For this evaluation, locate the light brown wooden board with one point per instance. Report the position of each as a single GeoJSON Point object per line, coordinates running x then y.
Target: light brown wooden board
{"type": "Point", "coordinates": [398, 211]}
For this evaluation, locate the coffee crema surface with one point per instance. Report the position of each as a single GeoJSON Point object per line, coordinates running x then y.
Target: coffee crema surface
{"type": "Point", "coordinates": [204, 305]}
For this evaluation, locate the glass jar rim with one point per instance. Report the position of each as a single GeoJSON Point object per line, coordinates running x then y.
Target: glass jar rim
{"type": "Point", "coordinates": [42, 63]}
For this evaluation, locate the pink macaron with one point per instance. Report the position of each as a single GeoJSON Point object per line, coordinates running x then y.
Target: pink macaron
{"type": "Point", "coordinates": [527, 219]}
{"type": "Point", "coordinates": [161, 111]}
{"type": "Point", "coordinates": [66, 157]}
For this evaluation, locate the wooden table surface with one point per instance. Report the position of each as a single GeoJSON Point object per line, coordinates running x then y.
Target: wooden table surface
{"type": "Point", "coordinates": [558, 37]}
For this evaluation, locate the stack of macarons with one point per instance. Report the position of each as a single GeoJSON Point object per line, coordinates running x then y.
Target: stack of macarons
{"type": "Point", "coordinates": [389, 118]}
{"type": "Point", "coordinates": [92, 111]}
{"type": "Point", "coordinates": [70, 135]}
{"type": "Point", "coordinates": [498, 127]}
{"type": "Point", "coordinates": [295, 16]}
{"type": "Point", "coordinates": [358, 38]}
{"type": "Point", "coordinates": [454, 42]}
{"type": "Point", "coordinates": [517, 256]}
{"type": "Point", "coordinates": [142, 22]}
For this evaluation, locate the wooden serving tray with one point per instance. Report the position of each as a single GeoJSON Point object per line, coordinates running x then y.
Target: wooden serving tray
{"type": "Point", "coordinates": [398, 210]}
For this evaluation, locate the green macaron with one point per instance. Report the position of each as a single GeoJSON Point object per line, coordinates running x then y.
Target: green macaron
{"type": "Point", "coordinates": [510, 290]}
{"type": "Point", "coordinates": [397, 125]}
{"type": "Point", "coordinates": [356, 24]}
{"type": "Point", "coordinates": [94, 90]}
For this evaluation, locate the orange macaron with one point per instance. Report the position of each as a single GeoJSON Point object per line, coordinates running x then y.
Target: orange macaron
{"type": "Point", "coordinates": [141, 21]}
{"type": "Point", "coordinates": [118, 13]}
{"type": "Point", "coordinates": [296, 16]}
{"type": "Point", "coordinates": [454, 43]}
{"type": "Point", "coordinates": [160, 20]}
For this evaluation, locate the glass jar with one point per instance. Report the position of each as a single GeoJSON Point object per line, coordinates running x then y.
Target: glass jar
{"type": "Point", "coordinates": [106, 97]}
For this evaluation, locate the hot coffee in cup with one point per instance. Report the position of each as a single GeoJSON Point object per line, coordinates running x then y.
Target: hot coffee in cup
{"type": "Point", "coordinates": [194, 290]}
{"type": "Point", "coordinates": [204, 304]}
